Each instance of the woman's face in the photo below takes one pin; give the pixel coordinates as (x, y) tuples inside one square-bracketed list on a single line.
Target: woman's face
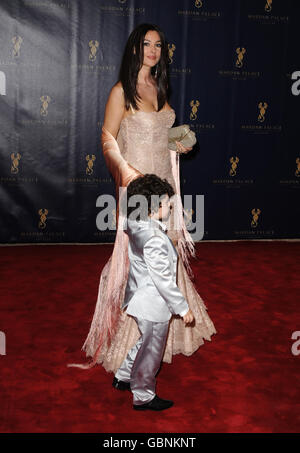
[(152, 48)]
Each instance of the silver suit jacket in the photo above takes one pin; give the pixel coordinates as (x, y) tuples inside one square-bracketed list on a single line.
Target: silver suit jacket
[(151, 292)]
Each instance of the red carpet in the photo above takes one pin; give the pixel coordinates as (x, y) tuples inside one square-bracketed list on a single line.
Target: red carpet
[(245, 380)]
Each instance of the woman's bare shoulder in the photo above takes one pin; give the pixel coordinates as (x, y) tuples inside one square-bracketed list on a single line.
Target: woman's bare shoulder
[(167, 106), (116, 95), (117, 89)]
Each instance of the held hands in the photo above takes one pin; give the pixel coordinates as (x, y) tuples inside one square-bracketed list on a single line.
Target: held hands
[(182, 149), (189, 317)]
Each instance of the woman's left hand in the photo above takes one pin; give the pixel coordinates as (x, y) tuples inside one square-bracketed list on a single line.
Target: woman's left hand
[(182, 149)]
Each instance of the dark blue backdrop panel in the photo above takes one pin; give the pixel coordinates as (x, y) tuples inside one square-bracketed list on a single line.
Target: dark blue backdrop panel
[(231, 66)]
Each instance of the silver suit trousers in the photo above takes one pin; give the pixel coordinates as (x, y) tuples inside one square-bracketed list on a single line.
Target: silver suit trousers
[(143, 360)]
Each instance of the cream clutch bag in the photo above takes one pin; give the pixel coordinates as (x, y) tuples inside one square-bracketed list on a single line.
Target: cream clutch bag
[(182, 134)]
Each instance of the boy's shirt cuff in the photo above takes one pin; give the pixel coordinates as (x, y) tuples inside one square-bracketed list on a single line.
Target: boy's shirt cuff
[(184, 312)]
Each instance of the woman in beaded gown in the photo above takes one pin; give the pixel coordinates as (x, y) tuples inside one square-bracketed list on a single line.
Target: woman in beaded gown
[(135, 142)]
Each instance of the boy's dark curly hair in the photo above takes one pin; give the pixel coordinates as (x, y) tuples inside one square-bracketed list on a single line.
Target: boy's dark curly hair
[(147, 185)]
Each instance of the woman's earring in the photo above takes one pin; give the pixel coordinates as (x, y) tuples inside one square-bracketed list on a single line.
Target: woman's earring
[(156, 72)]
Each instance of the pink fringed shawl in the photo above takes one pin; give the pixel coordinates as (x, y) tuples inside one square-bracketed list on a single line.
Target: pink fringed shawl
[(114, 275)]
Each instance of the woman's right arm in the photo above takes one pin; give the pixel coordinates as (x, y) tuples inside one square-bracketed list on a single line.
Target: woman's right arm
[(120, 169), (114, 110)]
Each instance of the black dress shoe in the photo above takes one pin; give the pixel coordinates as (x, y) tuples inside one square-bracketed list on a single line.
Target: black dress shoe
[(157, 404), (120, 385)]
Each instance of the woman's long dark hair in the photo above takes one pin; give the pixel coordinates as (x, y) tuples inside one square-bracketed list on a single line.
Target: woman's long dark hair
[(132, 63)]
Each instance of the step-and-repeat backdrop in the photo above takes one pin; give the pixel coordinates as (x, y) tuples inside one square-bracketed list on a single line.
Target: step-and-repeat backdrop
[(234, 69)]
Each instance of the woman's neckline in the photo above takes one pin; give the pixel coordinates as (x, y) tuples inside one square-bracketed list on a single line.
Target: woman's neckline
[(147, 113)]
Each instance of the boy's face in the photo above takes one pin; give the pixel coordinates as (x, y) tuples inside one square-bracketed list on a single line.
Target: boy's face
[(164, 210)]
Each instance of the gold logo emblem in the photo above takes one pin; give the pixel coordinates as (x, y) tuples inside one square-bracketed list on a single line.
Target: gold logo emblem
[(194, 105), (262, 111), (17, 41), (268, 6), (93, 45), (240, 52), (113, 220), (234, 161), (255, 214), (198, 3), (171, 49), (43, 217), (15, 158), (45, 104), (297, 172), (90, 163)]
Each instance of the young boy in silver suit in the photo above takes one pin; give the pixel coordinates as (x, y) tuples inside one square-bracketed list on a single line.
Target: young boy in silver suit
[(152, 295)]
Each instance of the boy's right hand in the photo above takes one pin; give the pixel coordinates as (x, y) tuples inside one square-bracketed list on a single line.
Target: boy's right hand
[(188, 317)]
